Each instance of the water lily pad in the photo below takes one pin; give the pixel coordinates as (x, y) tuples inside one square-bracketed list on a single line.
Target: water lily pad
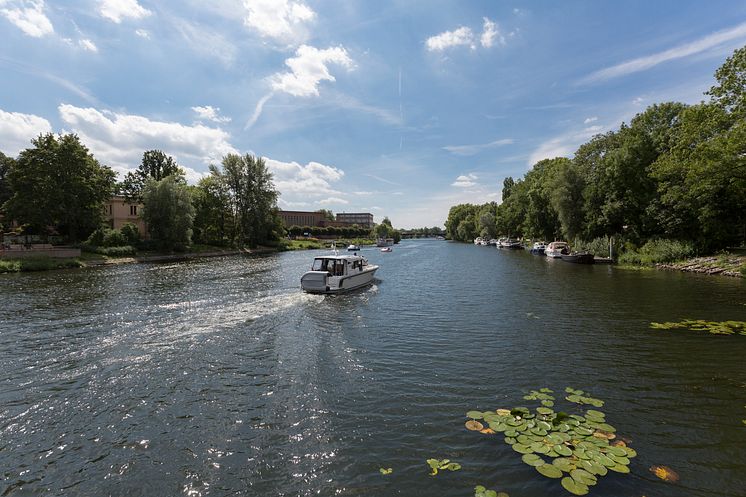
[(619, 468), (630, 451), (665, 473), (499, 426), (532, 460), (386, 471), (453, 466), (573, 486), (606, 461), (547, 403), (617, 451), (544, 410), (540, 448), (549, 470), (565, 464), (583, 476), (562, 450), (521, 448), (543, 425), (619, 459), (590, 413), (511, 433), (510, 440), (474, 425), (539, 431), (474, 414), (605, 427), (503, 412), (487, 431)]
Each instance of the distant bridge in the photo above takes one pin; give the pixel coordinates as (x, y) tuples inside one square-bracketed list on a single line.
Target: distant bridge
[(419, 234)]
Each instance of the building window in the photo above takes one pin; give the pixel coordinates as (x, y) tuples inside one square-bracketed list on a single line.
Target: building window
[(133, 210)]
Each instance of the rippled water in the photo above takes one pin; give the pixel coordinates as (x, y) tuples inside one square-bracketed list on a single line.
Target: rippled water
[(219, 377)]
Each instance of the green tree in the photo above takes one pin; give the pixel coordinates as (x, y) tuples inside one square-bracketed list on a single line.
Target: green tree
[(57, 183), (168, 213), (213, 218), (154, 165), (6, 163), (328, 215), (508, 184), (566, 197), (456, 215), (253, 199)]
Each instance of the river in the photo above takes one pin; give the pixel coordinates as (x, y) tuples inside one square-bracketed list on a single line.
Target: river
[(219, 377)]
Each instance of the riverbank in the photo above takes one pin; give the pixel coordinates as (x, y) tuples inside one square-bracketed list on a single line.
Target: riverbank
[(726, 265)]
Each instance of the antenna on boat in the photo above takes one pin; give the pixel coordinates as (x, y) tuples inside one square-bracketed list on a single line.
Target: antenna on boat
[(334, 248)]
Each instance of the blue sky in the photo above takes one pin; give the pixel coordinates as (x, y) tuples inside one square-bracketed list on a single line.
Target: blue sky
[(399, 108)]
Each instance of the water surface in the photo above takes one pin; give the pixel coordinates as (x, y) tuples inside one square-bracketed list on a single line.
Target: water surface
[(219, 377)]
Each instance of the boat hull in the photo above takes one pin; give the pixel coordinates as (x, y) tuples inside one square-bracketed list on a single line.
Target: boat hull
[(583, 258), (322, 282)]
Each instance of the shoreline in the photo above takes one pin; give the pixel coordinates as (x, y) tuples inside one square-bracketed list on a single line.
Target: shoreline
[(175, 257)]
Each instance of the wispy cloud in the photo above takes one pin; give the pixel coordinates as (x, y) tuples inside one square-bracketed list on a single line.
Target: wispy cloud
[(41, 73), (590, 120), (491, 34), (29, 17), (308, 68), (210, 113), (118, 10), (475, 149), (678, 52)]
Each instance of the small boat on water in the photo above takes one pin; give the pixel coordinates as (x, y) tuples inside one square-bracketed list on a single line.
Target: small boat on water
[(579, 257), (480, 241), (509, 243), (353, 248), (337, 274), (384, 242), (538, 248), (387, 249), (557, 249)]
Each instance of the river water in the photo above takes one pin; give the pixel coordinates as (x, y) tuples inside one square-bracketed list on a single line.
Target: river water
[(220, 377)]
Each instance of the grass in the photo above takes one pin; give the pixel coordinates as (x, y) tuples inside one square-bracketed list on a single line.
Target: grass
[(37, 264)]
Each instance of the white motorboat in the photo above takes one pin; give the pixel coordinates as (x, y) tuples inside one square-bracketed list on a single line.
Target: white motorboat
[(557, 249), (509, 243), (338, 273), (478, 240), (387, 249), (538, 248), (353, 248)]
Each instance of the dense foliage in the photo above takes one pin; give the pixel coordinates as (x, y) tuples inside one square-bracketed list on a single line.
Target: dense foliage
[(675, 172), (154, 165), (168, 213), (57, 185)]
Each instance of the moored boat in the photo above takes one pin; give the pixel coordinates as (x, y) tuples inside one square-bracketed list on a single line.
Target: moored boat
[(557, 249), (538, 248), (338, 273), (578, 257), (384, 242), (353, 248), (509, 243)]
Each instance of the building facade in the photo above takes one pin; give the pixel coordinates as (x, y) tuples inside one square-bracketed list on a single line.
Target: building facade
[(362, 219), (119, 212), (302, 218)]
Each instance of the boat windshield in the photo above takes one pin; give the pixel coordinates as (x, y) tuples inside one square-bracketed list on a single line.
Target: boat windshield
[(319, 265)]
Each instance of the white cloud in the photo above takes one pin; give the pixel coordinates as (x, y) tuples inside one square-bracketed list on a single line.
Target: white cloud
[(465, 181), (684, 50), (308, 68), (312, 179), (590, 120), (117, 10), (282, 20), (638, 101), (210, 113), (475, 149), (206, 42), (142, 33), (17, 130), (490, 33), (563, 145), (333, 201), (460, 37), (119, 140), (29, 17), (88, 45)]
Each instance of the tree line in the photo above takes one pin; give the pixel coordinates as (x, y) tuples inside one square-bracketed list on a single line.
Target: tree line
[(57, 186), (675, 172)]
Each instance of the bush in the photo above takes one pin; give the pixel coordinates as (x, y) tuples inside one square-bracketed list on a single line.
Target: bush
[(97, 237), (131, 234), (114, 238), (36, 264), (122, 251), (598, 246), (658, 251)]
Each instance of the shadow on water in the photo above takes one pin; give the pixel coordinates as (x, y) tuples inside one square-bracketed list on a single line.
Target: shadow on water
[(220, 377)]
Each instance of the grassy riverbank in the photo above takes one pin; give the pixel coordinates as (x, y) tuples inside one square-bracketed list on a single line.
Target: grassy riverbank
[(40, 263)]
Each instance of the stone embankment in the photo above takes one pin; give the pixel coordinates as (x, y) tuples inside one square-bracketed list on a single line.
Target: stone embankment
[(726, 265)]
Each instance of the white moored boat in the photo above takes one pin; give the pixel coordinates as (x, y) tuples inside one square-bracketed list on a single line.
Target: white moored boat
[(337, 273), (557, 249)]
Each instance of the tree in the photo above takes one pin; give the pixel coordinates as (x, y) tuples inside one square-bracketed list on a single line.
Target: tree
[(253, 199), (213, 220), (6, 163), (328, 215), (456, 215), (168, 213), (154, 165), (58, 184), (508, 185), (730, 92)]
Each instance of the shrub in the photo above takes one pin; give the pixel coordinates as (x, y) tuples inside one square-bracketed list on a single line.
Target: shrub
[(114, 238), (36, 264), (97, 237), (658, 251), (131, 234), (121, 251)]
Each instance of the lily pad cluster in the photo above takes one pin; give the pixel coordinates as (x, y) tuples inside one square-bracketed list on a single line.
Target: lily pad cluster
[(714, 327), (481, 491), (442, 464), (576, 449)]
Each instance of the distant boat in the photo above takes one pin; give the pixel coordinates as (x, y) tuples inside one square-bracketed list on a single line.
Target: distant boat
[(440, 237), (337, 273), (353, 248), (557, 249), (579, 258), (384, 242), (478, 241), (387, 249), (509, 243), (538, 248)]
